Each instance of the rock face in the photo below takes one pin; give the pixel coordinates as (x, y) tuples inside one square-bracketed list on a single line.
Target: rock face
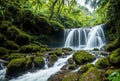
[(91, 75), (82, 57)]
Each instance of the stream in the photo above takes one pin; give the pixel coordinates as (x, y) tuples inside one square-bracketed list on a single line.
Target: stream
[(77, 39)]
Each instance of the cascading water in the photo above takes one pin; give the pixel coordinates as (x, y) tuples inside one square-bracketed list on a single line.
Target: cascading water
[(77, 38), (84, 38)]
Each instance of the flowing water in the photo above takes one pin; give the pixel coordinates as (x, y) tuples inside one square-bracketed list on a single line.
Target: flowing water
[(85, 38), (77, 38)]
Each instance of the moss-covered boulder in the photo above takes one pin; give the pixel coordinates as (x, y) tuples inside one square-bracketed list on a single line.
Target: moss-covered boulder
[(85, 68), (59, 52), (82, 57), (52, 58), (67, 49), (29, 48), (115, 57), (113, 45), (102, 63), (71, 77), (18, 66), (91, 75), (39, 62), (3, 51), (12, 56)]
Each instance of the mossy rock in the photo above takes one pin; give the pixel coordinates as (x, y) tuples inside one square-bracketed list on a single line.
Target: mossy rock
[(4, 51), (95, 49), (67, 49), (39, 62), (29, 48), (71, 77), (85, 68), (52, 58), (82, 57), (11, 45), (18, 66), (102, 63), (115, 57), (12, 56), (59, 52), (20, 37), (43, 49), (91, 75), (72, 66), (110, 71), (113, 45)]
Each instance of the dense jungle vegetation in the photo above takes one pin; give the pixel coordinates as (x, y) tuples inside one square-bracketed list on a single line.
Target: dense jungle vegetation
[(27, 25)]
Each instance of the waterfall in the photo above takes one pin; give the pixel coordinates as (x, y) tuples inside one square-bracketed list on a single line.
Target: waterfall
[(84, 38)]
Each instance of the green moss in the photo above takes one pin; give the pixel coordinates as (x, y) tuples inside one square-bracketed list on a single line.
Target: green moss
[(115, 57), (11, 45), (3, 50), (72, 66), (114, 45), (42, 49), (12, 56), (29, 48), (109, 71), (2, 39), (17, 66), (59, 52), (19, 36), (85, 68), (71, 77), (95, 49), (67, 49), (39, 62), (81, 57), (102, 63), (91, 75)]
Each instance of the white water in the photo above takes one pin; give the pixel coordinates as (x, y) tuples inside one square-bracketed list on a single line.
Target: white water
[(85, 38), (44, 74)]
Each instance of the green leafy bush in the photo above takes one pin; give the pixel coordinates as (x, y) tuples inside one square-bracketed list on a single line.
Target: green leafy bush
[(115, 76)]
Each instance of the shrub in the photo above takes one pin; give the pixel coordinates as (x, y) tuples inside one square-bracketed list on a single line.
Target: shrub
[(115, 76), (81, 57), (29, 48), (102, 63)]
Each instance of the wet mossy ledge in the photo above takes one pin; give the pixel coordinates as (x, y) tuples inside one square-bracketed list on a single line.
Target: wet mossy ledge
[(82, 57)]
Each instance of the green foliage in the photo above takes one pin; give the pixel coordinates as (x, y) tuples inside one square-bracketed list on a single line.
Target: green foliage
[(110, 71), (115, 57), (115, 76), (85, 68), (102, 63), (39, 62), (29, 48), (81, 57), (91, 75)]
